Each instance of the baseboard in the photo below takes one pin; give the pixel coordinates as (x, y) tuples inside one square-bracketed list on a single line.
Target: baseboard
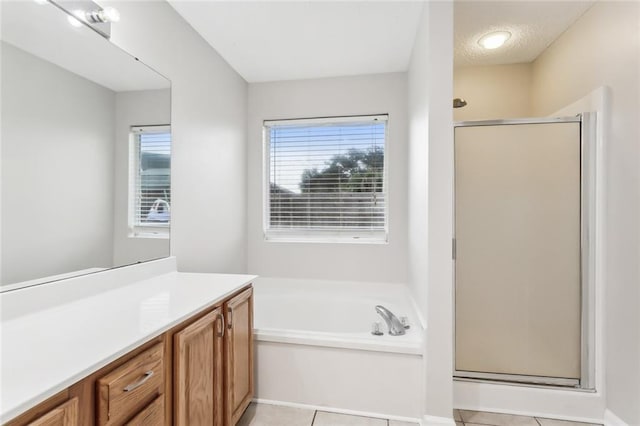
[(343, 411), (437, 421), (610, 419), (561, 404), (528, 413)]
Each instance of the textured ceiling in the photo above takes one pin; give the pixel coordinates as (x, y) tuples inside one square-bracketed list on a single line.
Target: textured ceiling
[(534, 25), (288, 40)]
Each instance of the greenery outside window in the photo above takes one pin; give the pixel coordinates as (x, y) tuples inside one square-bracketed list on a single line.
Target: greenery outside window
[(150, 181), (326, 179)]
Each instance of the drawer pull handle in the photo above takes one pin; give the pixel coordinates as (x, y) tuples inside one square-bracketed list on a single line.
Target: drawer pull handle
[(230, 325), (222, 326), (145, 377)]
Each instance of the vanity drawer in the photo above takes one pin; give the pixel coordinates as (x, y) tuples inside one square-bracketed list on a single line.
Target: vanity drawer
[(151, 415), (126, 390)]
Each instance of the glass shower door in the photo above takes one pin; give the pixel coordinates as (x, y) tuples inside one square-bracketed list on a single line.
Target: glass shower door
[(518, 251)]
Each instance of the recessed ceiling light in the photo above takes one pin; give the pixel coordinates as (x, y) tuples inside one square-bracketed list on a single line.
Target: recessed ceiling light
[(494, 40)]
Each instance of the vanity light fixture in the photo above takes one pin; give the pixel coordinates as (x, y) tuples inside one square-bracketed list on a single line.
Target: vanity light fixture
[(494, 40), (106, 15)]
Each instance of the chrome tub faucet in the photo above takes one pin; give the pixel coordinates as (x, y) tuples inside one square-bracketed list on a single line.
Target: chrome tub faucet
[(396, 328)]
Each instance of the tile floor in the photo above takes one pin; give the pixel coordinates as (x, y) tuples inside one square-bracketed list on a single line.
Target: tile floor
[(273, 415), (480, 418)]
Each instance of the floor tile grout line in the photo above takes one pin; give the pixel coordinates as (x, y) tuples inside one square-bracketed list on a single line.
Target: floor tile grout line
[(461, 422)]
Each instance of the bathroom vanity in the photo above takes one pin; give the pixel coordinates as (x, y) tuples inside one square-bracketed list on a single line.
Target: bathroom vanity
[(169, 348), (140, 344)]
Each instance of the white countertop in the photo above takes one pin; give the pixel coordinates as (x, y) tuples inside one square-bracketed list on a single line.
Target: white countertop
[(47, 350)]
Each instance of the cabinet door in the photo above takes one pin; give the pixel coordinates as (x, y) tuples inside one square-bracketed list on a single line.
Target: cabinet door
[(198, 372), (239, 350), (63, 415)]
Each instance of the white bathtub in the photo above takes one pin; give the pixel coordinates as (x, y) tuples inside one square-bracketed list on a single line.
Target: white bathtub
[(314, 347)]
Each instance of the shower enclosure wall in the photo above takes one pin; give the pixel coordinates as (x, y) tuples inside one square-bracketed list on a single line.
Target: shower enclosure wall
[(521, 250)]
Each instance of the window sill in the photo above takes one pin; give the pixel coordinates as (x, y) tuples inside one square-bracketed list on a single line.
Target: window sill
[(371, 238), (150, 233), (150, 236)]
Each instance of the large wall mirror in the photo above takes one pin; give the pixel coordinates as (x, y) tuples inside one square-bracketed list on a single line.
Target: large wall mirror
[(86, 146)]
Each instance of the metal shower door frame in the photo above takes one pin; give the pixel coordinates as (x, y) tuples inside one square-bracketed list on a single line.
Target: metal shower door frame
[(587, 121)]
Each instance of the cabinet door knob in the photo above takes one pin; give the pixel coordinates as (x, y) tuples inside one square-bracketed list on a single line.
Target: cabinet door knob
[(230, 318), (222, 327), (140, 382)]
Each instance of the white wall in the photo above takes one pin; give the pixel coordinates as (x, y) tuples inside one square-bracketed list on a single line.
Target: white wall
[(135, 108), (493, 92), (56, 210), (431, 199), (368, 94), (208, 118), (603, 49)]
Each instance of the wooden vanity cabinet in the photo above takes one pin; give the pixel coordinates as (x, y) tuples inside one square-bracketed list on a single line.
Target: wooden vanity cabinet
[(199, 373), (239, 355), (100, 399)]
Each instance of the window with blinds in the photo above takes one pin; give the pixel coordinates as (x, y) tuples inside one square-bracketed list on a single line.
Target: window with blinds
[(326, 179), (150, 180)]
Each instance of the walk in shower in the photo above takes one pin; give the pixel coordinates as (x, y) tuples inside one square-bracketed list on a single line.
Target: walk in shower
[(522, 251)]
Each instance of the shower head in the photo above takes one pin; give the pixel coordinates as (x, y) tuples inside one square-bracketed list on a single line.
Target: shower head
[(459, 103)]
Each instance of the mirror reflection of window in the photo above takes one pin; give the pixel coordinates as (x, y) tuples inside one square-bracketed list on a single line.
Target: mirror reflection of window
[(66, 129), (150, 181)]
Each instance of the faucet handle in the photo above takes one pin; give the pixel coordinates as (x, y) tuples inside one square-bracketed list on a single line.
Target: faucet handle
[(375, 329), (405, 322)]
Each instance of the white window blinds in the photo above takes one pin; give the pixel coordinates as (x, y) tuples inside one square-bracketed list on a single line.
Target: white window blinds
[(327, 178), (151, 164)]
